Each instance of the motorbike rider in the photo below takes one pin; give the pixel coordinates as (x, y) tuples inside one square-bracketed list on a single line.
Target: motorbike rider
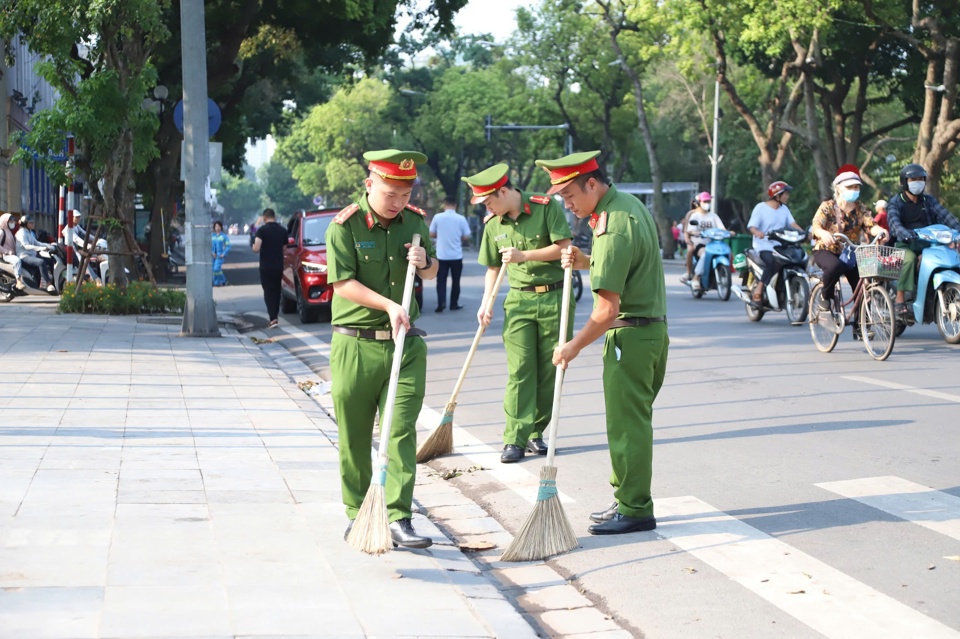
[(699, 219), (29, 247), (80, 241), (770, 215), (842, 214), (8, 246), (701, 206), (912, 209)]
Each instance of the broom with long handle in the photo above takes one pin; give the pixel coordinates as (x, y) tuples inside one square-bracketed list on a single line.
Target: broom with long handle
[(371, 528), (547, 531), (440, 441)]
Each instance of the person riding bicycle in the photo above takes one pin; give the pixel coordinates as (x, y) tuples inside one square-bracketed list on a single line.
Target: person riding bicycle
[(691, 235), (699, 219), (908, 210), (844, 213), (771, 215)]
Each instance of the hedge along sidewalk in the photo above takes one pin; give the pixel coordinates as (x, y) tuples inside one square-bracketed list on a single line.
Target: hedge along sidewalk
[(152, 485), (137, 298)]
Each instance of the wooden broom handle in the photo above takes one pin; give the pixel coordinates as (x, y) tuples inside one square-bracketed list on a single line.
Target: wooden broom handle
[(476, 338), (558, 382), (387, 418)]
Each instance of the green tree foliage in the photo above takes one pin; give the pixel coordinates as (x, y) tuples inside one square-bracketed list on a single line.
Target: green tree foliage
[(281, 189), (97, 56), (241, 199)]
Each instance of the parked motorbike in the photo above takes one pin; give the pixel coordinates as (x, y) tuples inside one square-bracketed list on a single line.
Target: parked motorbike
[(938, 283), (789, 288), (716, 269), (31, 277)]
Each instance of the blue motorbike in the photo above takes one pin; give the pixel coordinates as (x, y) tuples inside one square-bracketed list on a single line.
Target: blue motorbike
[(938, 282), (716, 269)]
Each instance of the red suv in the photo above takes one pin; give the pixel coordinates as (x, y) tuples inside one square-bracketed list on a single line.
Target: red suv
[(305, 289)]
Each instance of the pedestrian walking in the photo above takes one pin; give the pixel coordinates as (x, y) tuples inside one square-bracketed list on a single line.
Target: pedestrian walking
[(269, 242), (630, 308), (219, 247), (451, 230), (524, 233), (368, 248)]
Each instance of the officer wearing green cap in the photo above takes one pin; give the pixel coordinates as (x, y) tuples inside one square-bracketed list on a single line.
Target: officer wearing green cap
[(368, 247), (630, 308), (525, 233)]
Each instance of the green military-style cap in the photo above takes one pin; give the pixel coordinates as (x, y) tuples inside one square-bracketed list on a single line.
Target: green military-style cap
[(486, 182), (392, 164), (568, 167)]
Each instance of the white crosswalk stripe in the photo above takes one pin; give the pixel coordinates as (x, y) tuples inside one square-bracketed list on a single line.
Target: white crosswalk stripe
[(904, 387), (829, 601), (933, 509)]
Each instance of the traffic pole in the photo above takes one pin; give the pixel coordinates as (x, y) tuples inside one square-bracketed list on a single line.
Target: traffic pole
[(199, 313), (70, 203)]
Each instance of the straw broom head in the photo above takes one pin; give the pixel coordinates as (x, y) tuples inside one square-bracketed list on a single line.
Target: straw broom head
[(440, 441), (371, 529), (547, 531)]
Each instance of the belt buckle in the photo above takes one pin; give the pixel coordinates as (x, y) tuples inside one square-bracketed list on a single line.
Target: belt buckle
[(543, 288), (382, 336)]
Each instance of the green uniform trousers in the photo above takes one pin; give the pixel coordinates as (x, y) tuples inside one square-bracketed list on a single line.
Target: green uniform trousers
[(360, 369), (531, 330), (634, 365), (908, 272)]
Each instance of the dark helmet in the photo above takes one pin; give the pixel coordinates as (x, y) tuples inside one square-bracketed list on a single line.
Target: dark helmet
[(911, 171)]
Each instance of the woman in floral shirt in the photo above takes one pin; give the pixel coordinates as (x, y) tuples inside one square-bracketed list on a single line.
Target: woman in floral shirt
[(842, 214)]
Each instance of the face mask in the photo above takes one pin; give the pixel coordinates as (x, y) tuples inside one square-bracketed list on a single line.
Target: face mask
[(12, 225), (705, 206), (916, 188), (851, 196)]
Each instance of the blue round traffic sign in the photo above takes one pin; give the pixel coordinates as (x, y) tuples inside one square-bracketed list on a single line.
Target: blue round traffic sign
[(214, 117)]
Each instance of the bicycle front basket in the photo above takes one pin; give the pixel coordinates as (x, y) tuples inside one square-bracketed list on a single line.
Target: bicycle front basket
[(881, 262)]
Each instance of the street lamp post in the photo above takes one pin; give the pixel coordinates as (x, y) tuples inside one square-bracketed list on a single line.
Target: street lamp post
[(714, 158)]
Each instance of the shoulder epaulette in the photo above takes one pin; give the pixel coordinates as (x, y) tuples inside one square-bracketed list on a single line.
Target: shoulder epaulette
[(417, 210), (488, 218), (540, 199), (345, 214), (598, 223)]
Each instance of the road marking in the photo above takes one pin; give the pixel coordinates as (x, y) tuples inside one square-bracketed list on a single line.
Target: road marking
[(910, 389), (933, 509), (829, 601), (514, 476)]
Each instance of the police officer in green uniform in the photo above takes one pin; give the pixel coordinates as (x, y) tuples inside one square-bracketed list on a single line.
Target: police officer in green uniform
[(630, 308), (368, 247), (525, 233)]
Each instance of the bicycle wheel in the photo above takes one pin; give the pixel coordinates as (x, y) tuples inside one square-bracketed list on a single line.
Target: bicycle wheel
[(823, 326), (877, 322)]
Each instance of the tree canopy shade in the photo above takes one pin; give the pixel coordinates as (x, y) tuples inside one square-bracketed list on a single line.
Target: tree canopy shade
[(265, 57), (97, 56)]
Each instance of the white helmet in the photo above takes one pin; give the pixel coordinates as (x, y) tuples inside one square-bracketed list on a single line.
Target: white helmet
[(880, 204)]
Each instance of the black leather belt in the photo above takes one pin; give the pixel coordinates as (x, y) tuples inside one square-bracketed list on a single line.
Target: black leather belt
[(543, 288), (380, 336), (637, 321)]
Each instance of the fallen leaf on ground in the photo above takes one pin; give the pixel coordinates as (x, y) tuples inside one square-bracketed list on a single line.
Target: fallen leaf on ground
[(456, 472), (953, 557), (797, 592), (931, 567), (475, 546), (257, 340), (690, 570)]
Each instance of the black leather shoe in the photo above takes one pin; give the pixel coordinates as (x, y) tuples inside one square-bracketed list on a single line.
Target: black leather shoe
[(455, 307), (440, 309), (537, 446), (403, 534), (511, 454), (620, 524), (604, 515), (346, 533)]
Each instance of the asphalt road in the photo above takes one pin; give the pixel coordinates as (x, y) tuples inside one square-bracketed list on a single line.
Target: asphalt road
[(798, 494)]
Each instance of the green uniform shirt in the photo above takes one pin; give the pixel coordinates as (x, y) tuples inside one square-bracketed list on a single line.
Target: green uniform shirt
[(537, 226), (626, 256), (363, 250)]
